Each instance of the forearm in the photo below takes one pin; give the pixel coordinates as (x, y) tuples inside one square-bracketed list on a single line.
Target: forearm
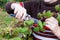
[(52, 24)]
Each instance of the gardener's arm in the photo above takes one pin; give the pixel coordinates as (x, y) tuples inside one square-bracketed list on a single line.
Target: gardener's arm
[(16, 8), (52, 23), (20, 8), (57, 32)]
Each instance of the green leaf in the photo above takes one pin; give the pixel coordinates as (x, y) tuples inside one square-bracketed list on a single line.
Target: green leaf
[(17, 30), (48, 14), (40, 24), (39, 15), (1, 38), (57, 7), (17, 38), (58, 18), (44, 23), (8, 36), (29, 22), (24, 29), (36, 29)]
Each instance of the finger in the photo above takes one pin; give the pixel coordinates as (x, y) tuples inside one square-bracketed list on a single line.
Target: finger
[(20, 13), (54, 19), (50, 25), (24, 15), (15, 11), (16, 16), (49, 20)]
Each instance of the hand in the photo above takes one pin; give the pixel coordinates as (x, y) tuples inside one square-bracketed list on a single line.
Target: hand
[(52, 23), (19, 11)]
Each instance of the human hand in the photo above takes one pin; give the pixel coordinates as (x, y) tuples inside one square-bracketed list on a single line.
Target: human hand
[(51, 23), (19, 11)]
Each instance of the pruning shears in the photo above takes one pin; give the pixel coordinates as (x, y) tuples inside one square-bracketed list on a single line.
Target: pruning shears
[(28, 17)]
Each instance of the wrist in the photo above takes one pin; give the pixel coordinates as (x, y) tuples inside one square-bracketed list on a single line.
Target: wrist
[(56, 31), (22, 4)]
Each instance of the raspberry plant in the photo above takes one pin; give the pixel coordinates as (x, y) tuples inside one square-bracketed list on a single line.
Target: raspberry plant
[(23, 31)]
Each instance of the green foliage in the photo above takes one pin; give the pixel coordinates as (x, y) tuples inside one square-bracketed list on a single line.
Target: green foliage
[(57, 7), (5, 19), (58, 18), (20, 30), (36, 29), (2, 3), (44, 23), (16, 38), (29, 22), (9, 31), (47, 14), (40, 25), (3, 0), (11, 0), (39, 15), (12, 33)]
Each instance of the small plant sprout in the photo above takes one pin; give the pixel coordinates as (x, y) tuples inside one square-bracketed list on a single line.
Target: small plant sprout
[(57, 7)]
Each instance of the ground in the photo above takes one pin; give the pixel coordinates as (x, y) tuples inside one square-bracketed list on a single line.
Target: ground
[(5, 20)]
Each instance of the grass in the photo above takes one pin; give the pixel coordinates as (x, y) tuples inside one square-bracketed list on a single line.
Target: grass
[(6, 19)]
